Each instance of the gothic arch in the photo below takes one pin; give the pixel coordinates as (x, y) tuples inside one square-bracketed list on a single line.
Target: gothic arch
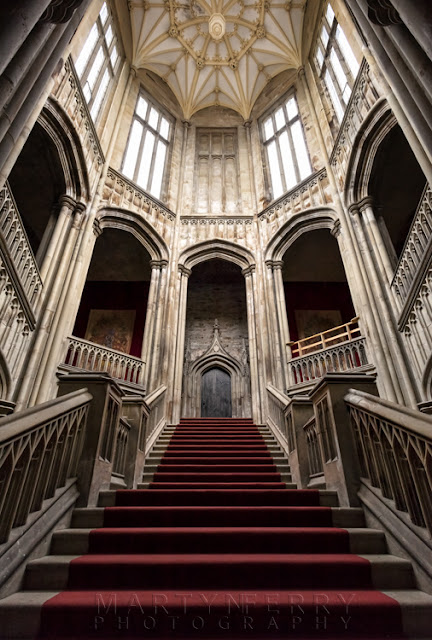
[(323, 218), (137, 226), (215, 356), (57, 125), (216, 249), (367, 141)]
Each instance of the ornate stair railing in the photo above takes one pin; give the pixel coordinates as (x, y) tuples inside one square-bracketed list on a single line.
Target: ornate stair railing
[(40, 449), (394, 446), (416, 248), (313, 449), (335, 350), (88, 356)]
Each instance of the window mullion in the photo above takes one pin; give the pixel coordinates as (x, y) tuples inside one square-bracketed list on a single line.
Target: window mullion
[(140, 151), (152, 161), (293, 149)]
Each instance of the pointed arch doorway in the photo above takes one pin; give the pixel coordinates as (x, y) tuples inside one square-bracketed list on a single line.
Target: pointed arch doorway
[(216, 394)]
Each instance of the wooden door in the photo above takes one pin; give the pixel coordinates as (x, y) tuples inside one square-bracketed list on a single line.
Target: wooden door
[(216, 394)]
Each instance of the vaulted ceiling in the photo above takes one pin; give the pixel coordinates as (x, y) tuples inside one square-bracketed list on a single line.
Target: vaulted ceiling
[(216, 52)]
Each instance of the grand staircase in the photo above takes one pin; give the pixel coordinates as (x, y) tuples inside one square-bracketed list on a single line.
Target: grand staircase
[(217, 542)]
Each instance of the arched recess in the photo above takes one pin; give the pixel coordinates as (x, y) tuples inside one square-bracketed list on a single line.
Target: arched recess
[(216, 300), (215, 357), (122, 294), (310, 294), (135, 225), (213, 250), (385, 176), (322, 218), (50, 166)]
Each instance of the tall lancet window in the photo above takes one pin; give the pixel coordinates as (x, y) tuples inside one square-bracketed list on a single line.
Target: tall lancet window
[(285, 146), (146, 156), (99, 61), (335, 62)]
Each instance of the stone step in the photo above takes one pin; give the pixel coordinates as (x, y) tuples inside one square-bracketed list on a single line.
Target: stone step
[(76, 541), (342, 517), (51, 573)]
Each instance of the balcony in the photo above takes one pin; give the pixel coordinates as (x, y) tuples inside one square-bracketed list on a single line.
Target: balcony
[(83, 355), (336, 350)]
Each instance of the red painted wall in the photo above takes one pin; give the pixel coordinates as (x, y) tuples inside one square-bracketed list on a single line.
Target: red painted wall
[(115, 295), (319, 296)]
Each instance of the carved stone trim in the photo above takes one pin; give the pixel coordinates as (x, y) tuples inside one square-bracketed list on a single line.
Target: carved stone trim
[(59, 11), (383, 13)]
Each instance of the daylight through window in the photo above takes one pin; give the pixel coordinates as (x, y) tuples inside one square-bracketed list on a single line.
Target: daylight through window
[(335, 62), (287, 154), (147, 149), (98, 61)]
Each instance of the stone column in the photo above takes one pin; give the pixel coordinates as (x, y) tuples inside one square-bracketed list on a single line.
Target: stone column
[(253, 347), (180, 343), (58, 237), (151, 311), (282, 319), (418, 18), (376, 242), (17, 20), (157, 349), (396, 379)]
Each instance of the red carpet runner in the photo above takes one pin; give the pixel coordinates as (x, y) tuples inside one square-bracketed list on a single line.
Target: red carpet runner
[(218, 547)]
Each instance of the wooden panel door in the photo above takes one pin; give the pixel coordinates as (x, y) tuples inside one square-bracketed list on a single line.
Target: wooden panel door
[(216, 394)]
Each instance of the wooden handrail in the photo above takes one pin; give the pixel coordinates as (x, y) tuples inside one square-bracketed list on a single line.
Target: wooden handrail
[(321, 341)]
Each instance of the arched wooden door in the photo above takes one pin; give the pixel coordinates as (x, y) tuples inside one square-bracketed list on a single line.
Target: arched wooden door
[(216, 394)]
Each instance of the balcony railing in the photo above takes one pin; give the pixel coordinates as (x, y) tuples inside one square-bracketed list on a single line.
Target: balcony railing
[(332, 351), (395, 449), (89, 356), (415, 248), (18, 246)]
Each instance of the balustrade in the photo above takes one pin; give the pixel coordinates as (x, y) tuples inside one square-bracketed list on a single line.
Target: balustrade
[(18, 246), (89, 356), (122, 440), (313, 449), (416, 247), (335, 350), (39, 451), (394, 447)]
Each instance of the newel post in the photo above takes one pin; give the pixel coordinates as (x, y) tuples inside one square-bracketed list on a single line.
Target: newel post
[(336, 439), (136, 411), (99, 439), (297, 414)]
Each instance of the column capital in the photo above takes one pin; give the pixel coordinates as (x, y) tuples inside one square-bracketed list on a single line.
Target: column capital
[(247, 124), (336, 228), (184, 270), (97, 229), (186, 124), (366, 202), (301, 72), (354, 209), (248, 271), (67, 201), (158, 264)]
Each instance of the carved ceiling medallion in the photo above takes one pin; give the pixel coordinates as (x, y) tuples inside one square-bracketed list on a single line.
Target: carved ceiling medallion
[(235, 46)]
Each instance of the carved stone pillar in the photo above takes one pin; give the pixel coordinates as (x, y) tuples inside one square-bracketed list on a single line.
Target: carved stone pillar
[(49, 264), (253, 346), (156, 351), (281, 336), (184, 274), (153, 303), (375, 239)]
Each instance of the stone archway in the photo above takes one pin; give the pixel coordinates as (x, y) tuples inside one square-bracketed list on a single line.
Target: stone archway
[(216, 357)]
